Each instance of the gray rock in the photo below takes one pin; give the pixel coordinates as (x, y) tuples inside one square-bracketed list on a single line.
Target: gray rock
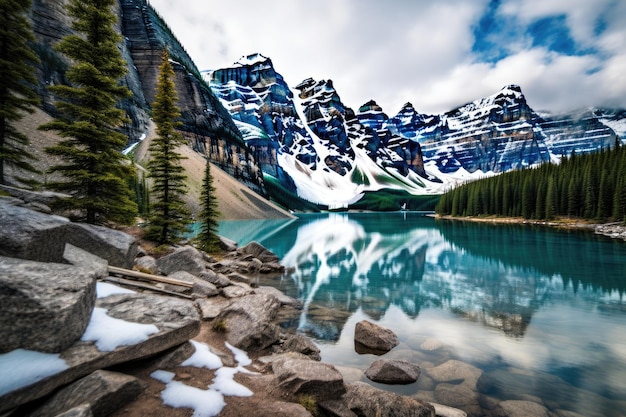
[(367, 401), (219, 280), (236, 290), (83, 410), (208, 309), (147, 264), (374, 337), (227, 244), (104, 391), (284, 299), (336, 408), (249, 321), (258, 251), (117, 247), (388, 371), (28, 234), (301, 344), (187, 259), (177, 321), (515, 408), (454, 370), (445, 411), (173, 357), (457, 395), (235, 277), (44, 307), (308, 377), (200, 289), (78, 257)]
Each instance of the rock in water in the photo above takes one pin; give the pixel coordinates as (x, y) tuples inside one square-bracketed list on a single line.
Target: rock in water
[(388, 371), (308, 377), (43, 306), (367, 401), (373, 337)]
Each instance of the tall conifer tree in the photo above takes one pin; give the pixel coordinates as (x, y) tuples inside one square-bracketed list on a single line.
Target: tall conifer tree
[(17, 80), (169, 217), (208, 237), (94, 171)]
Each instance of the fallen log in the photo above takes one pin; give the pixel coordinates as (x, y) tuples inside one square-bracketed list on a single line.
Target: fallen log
[(148, 277), (145, 286)]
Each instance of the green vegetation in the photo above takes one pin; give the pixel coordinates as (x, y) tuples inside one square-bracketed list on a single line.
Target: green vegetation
[(588, 186), (208, 238), (95, 172), (286, 198), (219, 326), (169, 218), (309, 403), (392, 200), (17, 81)]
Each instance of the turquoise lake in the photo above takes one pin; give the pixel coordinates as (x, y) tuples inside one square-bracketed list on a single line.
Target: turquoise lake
[(535, 314)]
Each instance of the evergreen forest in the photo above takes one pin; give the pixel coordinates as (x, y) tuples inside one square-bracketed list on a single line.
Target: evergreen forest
[(586, 186)]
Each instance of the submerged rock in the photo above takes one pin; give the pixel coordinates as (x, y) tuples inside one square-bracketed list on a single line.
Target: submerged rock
[(388, 371)]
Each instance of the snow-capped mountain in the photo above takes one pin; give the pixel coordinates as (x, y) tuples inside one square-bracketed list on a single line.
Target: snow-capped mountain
[(316, 146)]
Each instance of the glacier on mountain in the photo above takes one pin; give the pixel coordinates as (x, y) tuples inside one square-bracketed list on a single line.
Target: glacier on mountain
[(325, 152)]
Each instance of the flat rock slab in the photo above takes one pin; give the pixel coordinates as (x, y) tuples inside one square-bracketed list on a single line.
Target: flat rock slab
[(367, 401), (176, 320), (308, 377), (388, 371), (104, 391), (43, 306)]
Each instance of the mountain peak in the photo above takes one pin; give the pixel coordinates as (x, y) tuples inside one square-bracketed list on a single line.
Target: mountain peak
[(253, 59)]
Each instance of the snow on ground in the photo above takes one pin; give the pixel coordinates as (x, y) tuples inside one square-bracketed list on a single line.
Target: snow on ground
[(104, 289), (108, 333), (20, 368), (209, 402)]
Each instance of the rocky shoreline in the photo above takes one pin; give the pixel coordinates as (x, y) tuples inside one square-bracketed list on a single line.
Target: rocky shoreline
[(612, 230), (134, 343)]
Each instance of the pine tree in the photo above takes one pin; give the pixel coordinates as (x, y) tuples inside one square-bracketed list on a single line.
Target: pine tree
[(17, 80), (169, 217), (94, 172), (208, 238)]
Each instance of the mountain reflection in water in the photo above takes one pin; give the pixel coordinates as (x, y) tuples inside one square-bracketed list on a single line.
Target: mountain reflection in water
[(516, 301)]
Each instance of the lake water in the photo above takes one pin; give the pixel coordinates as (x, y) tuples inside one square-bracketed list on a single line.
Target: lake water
[(511, 312)]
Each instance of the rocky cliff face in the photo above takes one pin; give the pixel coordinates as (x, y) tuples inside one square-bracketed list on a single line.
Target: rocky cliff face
[(206, 124)]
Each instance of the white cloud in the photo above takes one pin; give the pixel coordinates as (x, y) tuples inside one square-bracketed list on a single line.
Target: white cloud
[(418, 51)]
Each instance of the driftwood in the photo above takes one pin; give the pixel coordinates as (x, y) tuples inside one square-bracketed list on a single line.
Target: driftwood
[(148, 277), (145, 286)]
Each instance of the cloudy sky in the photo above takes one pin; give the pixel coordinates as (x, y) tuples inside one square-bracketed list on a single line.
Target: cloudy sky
[(439, 54)]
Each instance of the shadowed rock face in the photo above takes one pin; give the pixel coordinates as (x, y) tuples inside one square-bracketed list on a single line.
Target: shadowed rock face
[(206, 124)]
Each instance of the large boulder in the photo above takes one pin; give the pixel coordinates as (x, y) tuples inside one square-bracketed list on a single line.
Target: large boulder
[(259, 252), (249, 321), (187, 259), (301, 344), (104, 392), (388, 371), (374, 338), (367, 401), (117, 247), (28, 234), (176, 322), (43, 306), (308, 377)]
